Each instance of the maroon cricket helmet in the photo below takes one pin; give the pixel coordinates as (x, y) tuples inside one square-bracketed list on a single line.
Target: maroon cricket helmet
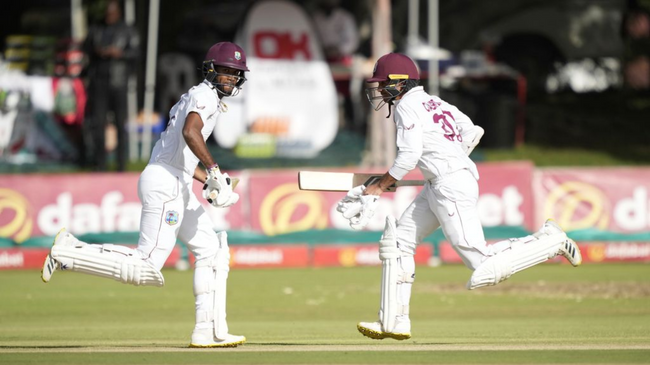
[(395, 65), (227, 54)]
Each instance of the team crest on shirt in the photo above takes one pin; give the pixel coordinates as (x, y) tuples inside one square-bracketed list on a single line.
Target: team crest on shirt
[(171, 217), (237, 55)]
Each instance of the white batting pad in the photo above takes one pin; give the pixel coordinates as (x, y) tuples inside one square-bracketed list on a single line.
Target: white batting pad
[(210, 282), (109, 261), (388, 304), (524, 253), (392, 278)]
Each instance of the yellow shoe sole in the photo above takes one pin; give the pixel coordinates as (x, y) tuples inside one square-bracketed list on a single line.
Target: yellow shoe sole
[(231, 344), (375, 335)]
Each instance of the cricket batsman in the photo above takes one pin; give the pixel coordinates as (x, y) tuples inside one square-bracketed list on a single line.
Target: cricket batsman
[(438, 138), (171, 211)]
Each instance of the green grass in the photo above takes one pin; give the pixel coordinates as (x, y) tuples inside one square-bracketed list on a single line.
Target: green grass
[(544, 156), (540, 156), (553, 314)]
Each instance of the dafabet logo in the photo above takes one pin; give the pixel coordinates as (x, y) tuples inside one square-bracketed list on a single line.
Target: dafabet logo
[(15, 220), (286, 209), (577, 205)]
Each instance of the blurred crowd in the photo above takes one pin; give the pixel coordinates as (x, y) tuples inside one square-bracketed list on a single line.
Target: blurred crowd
[(83, 119), (67, 99), (636, 33)]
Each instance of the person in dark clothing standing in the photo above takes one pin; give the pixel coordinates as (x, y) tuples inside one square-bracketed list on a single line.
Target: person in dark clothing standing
[(112, 49)]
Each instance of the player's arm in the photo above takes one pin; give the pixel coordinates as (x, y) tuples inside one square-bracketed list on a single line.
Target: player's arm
[(471, 134), (409, 150), (471, 139), (379, 187), (200, 174), (194, 139)]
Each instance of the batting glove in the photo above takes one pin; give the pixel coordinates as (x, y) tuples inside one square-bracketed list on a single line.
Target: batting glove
[(369, 205), (217, 189), (351, 204)]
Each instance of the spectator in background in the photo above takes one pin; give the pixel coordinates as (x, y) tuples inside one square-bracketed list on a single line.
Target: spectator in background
[(339, 36), (112, 49), (337, 30), (636, 32)]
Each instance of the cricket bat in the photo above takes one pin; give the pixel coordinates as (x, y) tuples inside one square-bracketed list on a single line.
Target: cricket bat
[(344, 181)]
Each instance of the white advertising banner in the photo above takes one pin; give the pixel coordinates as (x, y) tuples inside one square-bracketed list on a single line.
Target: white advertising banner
[(289, 103)]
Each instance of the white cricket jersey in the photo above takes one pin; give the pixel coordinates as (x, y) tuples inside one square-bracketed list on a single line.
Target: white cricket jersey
[(429, 136), (171, 149)]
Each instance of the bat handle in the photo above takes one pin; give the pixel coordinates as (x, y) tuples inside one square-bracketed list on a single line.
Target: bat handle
[(371, 181)]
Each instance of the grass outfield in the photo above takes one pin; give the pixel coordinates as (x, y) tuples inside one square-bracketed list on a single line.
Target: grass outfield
[(553, 314)]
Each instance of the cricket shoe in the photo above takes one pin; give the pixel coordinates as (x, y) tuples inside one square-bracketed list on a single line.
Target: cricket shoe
[(375, 330), (569, 249), (204, 338), (571, 252), (51, 265)]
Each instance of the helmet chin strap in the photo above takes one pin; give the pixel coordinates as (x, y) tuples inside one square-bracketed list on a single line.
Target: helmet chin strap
[(395, 92), (390, 104), (405, 86)]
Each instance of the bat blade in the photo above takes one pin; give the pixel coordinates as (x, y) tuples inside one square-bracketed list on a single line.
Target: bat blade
[(344, 181)]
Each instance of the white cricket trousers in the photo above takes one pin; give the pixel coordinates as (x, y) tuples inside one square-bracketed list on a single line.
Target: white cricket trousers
[(170, 210), (449, 203)]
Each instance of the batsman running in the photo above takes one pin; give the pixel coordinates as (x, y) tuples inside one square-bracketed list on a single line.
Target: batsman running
[(170, 210), (438, 138)]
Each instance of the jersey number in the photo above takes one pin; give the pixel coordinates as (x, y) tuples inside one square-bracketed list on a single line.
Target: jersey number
[(450, 132)]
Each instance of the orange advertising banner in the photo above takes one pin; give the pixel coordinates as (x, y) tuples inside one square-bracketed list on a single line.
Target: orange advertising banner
[(615, 251), (360, 255), (277, 206), (604, 199), (38, 205), (269, 256)]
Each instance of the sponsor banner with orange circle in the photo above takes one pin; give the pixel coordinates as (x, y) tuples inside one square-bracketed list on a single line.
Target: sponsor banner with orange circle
[(33, 258), (37, 205), (40, 205), (277, 206), (605, 199), (360, 255)]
